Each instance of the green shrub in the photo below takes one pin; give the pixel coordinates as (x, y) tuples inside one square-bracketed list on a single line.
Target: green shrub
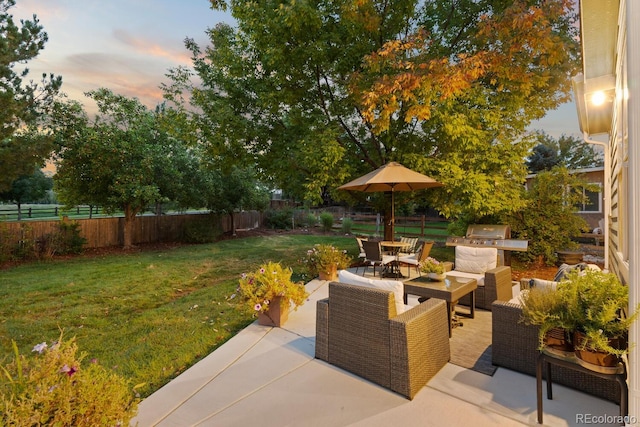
[(280, 219), (326, 219), (202, 230), (70, 242), (52, 387), (549, 220), (347, 225), (65, 240), (311, 220)]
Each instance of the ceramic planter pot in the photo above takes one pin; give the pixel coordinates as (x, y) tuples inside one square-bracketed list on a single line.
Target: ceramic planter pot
[(594, 357), (331, 273), (557, 340), (277, 314), (438, 277)]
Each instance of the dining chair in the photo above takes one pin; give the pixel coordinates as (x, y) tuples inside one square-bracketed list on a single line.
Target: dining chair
[(417, 258), (374, 256), (360, 248)]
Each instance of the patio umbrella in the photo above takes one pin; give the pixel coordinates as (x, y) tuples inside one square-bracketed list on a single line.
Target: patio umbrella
[(391, 177)]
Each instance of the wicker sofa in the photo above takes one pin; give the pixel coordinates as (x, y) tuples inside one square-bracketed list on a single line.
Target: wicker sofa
[(515, 346), (357, 329)]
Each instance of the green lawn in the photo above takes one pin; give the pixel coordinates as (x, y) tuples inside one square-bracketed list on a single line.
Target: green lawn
[(148, 315), (433, 231)]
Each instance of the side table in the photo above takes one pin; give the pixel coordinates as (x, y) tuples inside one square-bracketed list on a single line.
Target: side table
[(548, 357)]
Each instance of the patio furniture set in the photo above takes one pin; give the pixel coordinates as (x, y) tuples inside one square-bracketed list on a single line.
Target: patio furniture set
[(366, 328), (391, 255)]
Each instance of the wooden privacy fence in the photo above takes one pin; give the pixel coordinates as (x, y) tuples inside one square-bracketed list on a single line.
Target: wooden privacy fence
[(103, 232)]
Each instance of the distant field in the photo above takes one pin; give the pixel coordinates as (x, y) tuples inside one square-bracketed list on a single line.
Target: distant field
[(432, 230), (46, 211)]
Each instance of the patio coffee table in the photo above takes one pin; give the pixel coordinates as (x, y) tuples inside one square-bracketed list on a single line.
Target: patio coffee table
[(451, 289)]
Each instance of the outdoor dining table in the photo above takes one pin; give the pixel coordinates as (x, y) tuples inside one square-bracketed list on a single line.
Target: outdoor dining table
[(395, 248)]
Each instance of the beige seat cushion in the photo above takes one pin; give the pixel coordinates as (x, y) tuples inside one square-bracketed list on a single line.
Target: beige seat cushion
[(475, 260), (394, 286), (479, 277)]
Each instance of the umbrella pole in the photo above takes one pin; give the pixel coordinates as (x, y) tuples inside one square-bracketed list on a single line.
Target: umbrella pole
[(393, 216)]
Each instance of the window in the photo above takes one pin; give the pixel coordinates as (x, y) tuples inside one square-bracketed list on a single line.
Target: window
[(593, 201)]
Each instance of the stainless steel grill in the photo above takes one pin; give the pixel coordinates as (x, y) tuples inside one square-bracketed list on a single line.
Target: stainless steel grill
[(491, 236)]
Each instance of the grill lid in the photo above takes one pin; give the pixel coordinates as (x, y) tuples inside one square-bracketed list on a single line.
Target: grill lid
[(488, 231)]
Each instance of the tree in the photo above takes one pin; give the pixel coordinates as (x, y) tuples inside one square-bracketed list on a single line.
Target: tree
[(542, 158), (27, 188), (234, 191), (567, 151), (319, 92), (122, 161), (22, 103), (549, 220)]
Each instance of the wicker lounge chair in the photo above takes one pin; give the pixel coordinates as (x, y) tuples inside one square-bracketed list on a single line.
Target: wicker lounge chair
[(515, 346), (357, 330)]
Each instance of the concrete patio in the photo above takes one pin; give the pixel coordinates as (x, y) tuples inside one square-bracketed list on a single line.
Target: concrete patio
[(269, 376)]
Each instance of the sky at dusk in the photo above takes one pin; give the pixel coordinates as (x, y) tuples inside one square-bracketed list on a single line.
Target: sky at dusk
[(124, 45), (129, 45)]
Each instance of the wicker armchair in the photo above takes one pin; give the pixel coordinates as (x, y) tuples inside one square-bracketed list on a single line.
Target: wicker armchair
[(357, 330), (497, 287), (515, 346)]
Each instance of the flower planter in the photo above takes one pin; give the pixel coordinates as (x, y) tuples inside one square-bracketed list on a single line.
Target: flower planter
[(437, 277), (277, 314), (594, 357), (329, 273), (557, 341)]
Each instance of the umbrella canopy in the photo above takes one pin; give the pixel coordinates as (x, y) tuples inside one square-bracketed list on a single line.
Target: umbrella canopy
[(391, 177)]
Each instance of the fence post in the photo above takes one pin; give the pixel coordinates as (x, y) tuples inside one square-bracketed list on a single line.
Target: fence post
[(422, 225), (29, 212)]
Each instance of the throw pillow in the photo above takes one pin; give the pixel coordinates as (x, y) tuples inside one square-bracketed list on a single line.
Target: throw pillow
[(475, 260), (394, 286), (565, 269), (539, 283)]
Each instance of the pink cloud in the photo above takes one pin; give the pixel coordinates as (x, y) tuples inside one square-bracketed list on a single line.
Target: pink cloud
[(144, 46)]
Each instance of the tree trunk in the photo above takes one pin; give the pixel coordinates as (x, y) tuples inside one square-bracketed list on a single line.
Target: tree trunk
[(129, 219)]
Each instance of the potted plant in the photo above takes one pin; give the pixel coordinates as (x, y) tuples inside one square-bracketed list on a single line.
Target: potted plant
[(56, 386), (325, 261), (269, 292), (597, 303), (435, 269), (544, 307)]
